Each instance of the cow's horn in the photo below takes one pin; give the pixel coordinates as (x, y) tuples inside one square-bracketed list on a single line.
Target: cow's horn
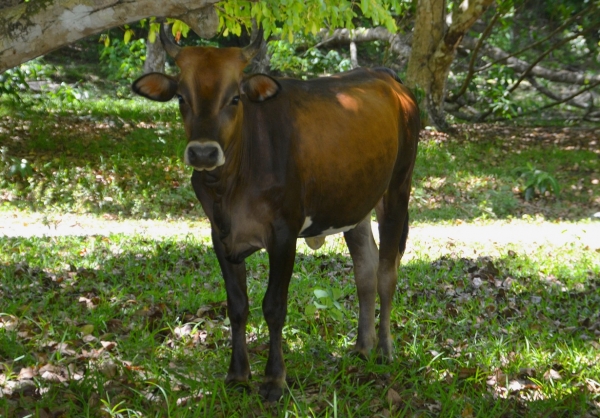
[(251, 50), (170, 46)]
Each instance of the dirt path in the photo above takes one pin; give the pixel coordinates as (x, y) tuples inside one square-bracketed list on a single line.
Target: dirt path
[(497, 233)]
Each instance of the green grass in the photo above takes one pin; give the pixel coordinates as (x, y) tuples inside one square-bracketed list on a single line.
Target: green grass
[(132, 326), (123, 157), (511, 335)]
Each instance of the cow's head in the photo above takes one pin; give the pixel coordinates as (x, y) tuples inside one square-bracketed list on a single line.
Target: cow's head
[(208, 88)]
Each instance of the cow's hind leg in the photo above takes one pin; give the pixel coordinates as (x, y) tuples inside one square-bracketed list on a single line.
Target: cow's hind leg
[(393, 232), (364, 257)]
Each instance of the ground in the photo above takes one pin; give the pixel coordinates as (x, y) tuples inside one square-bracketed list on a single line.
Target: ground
[(489, 234)]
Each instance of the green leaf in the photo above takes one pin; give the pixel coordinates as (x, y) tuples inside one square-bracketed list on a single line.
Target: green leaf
[(319, 293), (127, 36), (337, 315)]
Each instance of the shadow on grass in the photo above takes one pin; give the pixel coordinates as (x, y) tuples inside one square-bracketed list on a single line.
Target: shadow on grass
[(139, 326)]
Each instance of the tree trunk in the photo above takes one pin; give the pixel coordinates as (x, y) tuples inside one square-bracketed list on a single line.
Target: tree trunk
[(28, 30), (155, 57), (434, 48)]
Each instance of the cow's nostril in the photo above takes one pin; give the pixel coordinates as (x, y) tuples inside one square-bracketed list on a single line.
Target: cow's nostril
[(203, 156)]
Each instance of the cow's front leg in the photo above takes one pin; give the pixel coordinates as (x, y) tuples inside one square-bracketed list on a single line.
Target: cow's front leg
[(237, 311), (281, 265)]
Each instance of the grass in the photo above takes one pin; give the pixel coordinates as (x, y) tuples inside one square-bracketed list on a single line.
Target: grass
[(123, 158), (123, 323)]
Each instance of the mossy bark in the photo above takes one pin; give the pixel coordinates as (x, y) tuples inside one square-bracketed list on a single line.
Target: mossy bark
[(435, 41)]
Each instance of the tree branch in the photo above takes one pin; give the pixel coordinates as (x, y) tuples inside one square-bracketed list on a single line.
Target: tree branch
[(480, 117), (545, 53), (28, 30), (550, 94), (474, 53), (561, 76), (533, 45)]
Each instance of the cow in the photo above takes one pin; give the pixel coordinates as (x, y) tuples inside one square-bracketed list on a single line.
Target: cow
[(277, 159)]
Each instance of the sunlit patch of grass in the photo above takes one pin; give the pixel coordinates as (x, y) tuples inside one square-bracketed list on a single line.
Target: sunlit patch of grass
[(139, 324), (473, 177)]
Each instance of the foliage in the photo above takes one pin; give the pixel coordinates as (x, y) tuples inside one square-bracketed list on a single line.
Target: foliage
[(311, 63), (327, 304), (495, 91), (293, 16), (536, 181), (123, 58), (15, 80), (557, 36)]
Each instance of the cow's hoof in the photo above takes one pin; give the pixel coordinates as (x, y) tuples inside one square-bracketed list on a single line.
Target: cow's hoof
[(358, 354), (384, 358), (241, 387), (238, 384), (271, 391)]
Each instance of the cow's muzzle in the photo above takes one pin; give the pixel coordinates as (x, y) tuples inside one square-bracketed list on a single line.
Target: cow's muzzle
[(206, 155)]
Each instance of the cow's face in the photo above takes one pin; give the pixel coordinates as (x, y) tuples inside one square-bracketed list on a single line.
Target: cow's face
[(208, 88)]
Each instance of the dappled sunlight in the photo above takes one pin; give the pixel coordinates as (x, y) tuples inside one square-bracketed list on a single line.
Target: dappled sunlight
[(493, 325)]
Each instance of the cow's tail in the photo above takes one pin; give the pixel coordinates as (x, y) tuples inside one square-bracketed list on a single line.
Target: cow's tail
[(404, 236), (390, 72)]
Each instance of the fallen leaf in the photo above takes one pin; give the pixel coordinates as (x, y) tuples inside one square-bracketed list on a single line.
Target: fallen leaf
[(552, 375), (393, 397), (53, 377), (87, 329), (108, 345), (26, 373), (467, 412)]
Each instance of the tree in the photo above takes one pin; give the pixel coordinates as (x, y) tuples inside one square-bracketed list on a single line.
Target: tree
[(435, 41), (516, 49), (155, 56), (29, 29), (470, 59)]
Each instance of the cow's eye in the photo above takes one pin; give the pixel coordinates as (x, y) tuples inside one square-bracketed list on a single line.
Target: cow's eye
[(235, 100), (180, 98)]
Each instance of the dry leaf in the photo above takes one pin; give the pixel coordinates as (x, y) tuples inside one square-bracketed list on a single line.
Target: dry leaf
[(108, 345), (467, 412), (552, 375), (26, 373), (393, 398)]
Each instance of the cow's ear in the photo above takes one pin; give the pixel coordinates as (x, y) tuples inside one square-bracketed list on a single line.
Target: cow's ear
[(260, 87), (155, 86)]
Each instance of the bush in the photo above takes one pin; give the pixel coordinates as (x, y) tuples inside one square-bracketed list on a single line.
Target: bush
[(123, 61)]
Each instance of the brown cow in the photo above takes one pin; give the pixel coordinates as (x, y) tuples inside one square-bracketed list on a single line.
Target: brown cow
[(275, 159)]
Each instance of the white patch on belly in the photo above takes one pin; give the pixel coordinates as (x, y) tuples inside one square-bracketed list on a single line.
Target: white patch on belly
[(329, 231)]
